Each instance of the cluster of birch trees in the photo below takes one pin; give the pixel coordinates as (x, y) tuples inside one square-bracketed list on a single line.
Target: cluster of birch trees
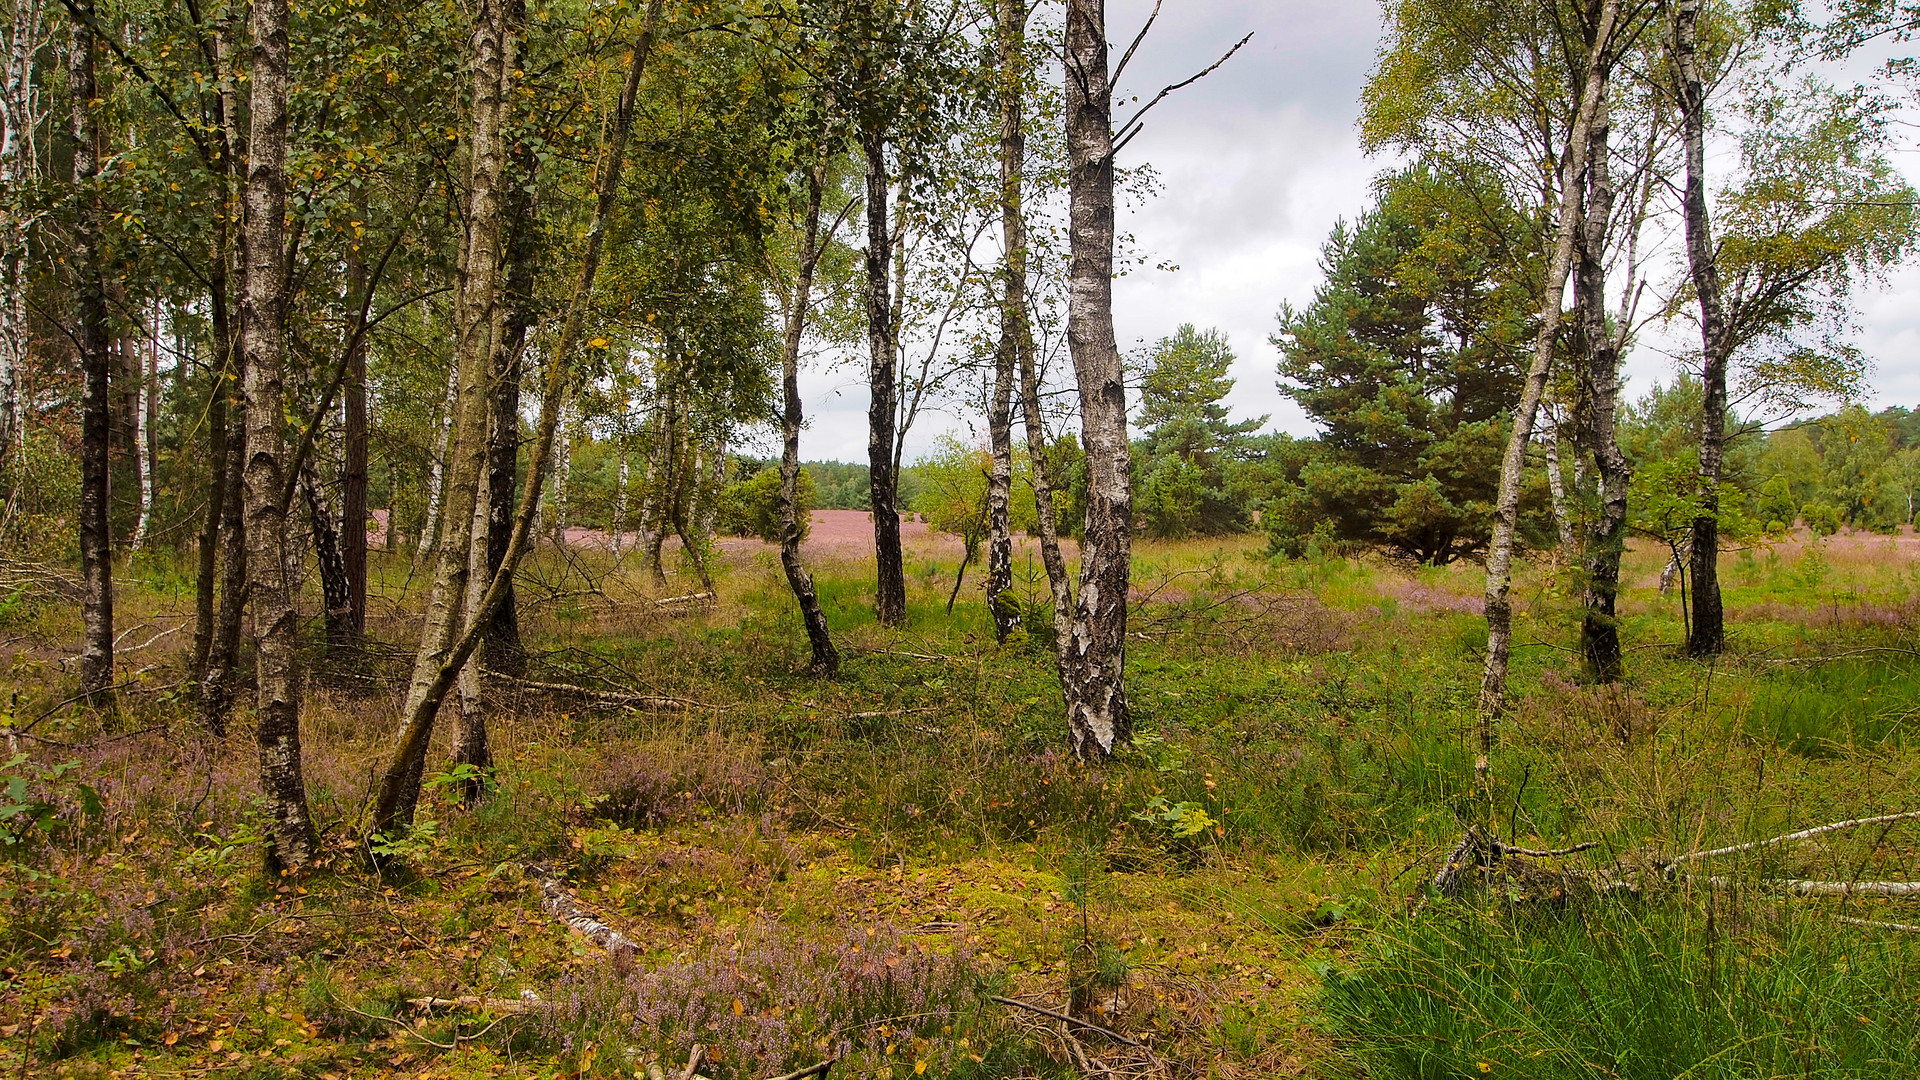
[(409, 249), (323, 253), (1601, 121)]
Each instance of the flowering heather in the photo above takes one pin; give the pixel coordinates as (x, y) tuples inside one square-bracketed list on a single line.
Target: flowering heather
[(773, 1001), (675, 782)]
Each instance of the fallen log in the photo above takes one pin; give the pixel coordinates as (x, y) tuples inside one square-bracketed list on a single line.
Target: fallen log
[(1788, 838), (623, 698), (559, 903), (526, 1002)]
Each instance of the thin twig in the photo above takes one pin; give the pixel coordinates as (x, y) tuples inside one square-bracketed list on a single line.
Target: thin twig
[(1030, 1007), (411, 1030), (1133, 126), (1876, 924)]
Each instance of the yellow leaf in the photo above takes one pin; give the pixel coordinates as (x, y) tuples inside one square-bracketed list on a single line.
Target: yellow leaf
[(919, 1067), (739, 1007), (598, 343), (1484, 1067)]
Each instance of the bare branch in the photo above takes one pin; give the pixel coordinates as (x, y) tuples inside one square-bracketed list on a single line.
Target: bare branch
[(1132, 127), (1137, 39)]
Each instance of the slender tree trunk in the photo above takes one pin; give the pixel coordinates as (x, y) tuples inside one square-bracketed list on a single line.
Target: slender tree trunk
[(1094, 658), (826, 659), (890, 595), (334, 587), (207, 568), (437, 471), (471, 745), (478, 307), (1708, 636), (263, 332), (1563, 520), (1599, 381), (504, 652), (353, 473), (1506, 512), (1010, 17), (19, 116), (621, 477), (91, 337), (143, 369), (223, 655), (398, 796)]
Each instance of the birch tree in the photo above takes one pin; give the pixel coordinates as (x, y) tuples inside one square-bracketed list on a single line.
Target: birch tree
[(91, 340), (263, 336)]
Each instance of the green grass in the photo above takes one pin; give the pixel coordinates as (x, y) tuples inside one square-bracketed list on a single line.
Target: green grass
[(1685, 986)]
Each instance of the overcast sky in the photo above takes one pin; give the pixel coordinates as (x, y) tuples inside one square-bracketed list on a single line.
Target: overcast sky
[(1257, 161)]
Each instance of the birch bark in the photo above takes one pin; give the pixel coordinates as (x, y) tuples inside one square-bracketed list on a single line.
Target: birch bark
[(1708, 635), (890, 595), (397, 798), (825, 661), (478, 315), (263, 334), (1010, 24), (1506, 514), (90, 329), (1093, 658)]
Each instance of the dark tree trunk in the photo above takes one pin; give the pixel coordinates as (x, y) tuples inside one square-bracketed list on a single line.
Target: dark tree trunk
[(223, 653), (890, 596), (1708, 637), (91, 336), (826, 659), (1010, 17), (335, 591), (503, 651), (1599, 391), (207, 569), (275, 622), (1093, 660), (353, 472)]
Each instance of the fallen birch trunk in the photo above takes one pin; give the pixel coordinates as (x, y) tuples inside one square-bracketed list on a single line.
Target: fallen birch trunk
[(526, 1002), (622, 698), (559, 903), (1788, 838)]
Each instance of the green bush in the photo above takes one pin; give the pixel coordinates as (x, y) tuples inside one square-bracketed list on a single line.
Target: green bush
[(751, 507)]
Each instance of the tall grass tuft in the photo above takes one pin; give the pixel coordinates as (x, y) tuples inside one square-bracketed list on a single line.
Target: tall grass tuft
[(1684, 986)]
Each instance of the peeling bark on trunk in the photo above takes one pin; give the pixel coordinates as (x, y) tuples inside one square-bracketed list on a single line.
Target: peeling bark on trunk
[(1708, 636), (1563, 521), (1599, 382), (1506, 514), (825, 661), (19, 116), (397, 798), (144, 365), (263, 333), (478, 319), (1010, 18), (890, 594), (90, 330), (1093, 659)]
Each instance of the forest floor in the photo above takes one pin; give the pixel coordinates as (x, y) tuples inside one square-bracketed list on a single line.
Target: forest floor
[(859, 869)]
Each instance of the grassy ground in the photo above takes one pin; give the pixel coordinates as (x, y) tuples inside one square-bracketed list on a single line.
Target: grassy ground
[(852, 869)]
